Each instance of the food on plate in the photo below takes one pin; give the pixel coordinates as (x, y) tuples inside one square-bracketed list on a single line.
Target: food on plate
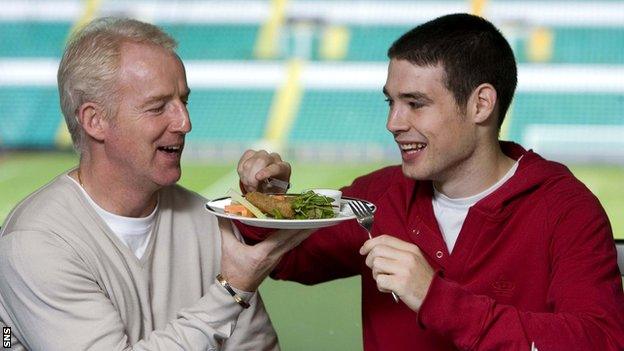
[(277, 207), (238, 199), (238, 209), (308, 205)]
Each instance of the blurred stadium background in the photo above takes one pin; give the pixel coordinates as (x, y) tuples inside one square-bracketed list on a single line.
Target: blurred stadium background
[(304, 77)]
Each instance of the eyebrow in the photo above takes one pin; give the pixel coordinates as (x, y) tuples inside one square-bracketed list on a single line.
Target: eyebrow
[(152, 99), (411, 95)]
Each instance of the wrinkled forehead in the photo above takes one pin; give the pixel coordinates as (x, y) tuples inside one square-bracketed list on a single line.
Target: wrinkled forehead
[(145, 67), (147, 59)]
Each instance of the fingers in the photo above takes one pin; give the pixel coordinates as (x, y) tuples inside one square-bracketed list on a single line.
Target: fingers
[(383, 265), (385, 284), (383, 251), (250, 163), (282, 241), (246, 156), (385, 273), (229, 241), (400, 267), (255, 166), (390, 241)]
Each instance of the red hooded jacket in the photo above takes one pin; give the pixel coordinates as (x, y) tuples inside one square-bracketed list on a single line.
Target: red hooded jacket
[(535, 261)]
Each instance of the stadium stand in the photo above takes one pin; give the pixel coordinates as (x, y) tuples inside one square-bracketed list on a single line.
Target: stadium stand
[(305, 76)]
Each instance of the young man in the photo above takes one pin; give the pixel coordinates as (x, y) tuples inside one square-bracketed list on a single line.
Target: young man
[(114, 255), (488, 246)]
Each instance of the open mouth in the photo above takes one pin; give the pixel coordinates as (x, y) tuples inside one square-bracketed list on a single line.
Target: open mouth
[(171, 149), (412, 147)]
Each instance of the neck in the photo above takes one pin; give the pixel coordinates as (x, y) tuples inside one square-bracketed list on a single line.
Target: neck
[(114, 192), (475, 174)]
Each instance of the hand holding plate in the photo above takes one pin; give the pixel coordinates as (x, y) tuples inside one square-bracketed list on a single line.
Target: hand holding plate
[(245, 266)]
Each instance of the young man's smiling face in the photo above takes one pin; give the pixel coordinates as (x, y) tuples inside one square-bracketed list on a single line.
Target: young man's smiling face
[(435, 138)]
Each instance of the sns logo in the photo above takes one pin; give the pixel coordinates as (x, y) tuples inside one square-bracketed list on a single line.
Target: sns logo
[(6, 337)]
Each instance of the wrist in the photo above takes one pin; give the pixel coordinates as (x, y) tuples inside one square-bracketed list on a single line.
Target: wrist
[(238, 297)]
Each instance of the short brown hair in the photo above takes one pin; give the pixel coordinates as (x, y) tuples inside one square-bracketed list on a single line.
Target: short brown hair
[(470, 49)]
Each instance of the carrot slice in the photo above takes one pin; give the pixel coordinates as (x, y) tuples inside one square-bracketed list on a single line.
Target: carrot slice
[(238, 209)]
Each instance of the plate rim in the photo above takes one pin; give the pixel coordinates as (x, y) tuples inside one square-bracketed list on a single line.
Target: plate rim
[(280, 221)]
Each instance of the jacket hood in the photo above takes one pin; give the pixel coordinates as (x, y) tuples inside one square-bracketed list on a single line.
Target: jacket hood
[(533, 172)]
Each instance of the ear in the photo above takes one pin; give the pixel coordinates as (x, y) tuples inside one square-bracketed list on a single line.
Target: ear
[(482, 103), (93, 120)]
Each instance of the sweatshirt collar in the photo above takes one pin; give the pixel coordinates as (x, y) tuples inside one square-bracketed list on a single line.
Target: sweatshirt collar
[(532, 171)]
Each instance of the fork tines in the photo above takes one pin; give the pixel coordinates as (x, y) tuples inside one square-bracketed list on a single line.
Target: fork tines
[(360, 209)]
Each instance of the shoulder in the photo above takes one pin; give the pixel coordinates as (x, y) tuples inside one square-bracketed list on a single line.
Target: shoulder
[(181, 192), (186, 205), (181, 197), (560, 186), (34, 254), (55, 202), (373, 185), (567, 201)]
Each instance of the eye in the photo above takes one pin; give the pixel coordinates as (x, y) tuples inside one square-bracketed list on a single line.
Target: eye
[(158, 109), (414, 105), (389, 101)]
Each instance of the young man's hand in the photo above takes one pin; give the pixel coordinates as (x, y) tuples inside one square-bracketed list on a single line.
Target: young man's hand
[(400, 267), (254, 167)]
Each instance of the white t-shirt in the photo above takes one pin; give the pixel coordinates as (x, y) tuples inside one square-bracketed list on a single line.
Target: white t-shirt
[(451, 213), (133, 232)]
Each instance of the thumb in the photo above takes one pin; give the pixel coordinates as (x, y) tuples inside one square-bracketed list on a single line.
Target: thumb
[(229, 242)]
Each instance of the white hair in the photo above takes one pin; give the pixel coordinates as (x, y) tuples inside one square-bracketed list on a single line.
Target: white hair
[(88, 69)]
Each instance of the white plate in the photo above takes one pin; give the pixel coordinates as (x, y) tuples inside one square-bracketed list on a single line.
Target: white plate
[(217, 206)]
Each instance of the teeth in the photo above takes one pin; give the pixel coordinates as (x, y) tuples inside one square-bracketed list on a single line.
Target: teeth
[(171, 148), (413, 146)]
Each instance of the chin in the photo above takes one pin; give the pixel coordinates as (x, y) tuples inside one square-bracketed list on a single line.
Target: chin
[(414, 172), (168, 179)]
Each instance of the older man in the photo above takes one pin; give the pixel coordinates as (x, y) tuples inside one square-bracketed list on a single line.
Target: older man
[(113, 255)]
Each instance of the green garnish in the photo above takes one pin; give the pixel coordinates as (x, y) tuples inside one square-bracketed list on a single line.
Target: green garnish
[(310, 205)]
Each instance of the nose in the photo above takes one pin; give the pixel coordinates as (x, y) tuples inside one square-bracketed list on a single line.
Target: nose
[(181, 122), (396, 120)]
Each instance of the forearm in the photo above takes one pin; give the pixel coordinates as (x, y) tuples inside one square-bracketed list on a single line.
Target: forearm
[(254, 330), (478, 322), (203, 326), (52, 302), (329, 253)]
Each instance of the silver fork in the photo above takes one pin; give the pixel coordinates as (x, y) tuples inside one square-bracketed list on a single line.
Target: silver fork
[(365, 217)]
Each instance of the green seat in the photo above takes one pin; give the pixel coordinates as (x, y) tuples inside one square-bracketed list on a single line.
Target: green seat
[(30, 117)]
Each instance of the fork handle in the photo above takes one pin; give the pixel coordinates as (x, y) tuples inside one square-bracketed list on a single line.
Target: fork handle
[(395, 297)]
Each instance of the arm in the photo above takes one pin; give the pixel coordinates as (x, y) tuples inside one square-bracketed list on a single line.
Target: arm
[(54, 303), (254, 330), (329, 253), (585, 293)]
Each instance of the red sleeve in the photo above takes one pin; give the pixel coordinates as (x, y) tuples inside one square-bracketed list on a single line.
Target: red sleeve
[(329, 253), (585, 293)]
